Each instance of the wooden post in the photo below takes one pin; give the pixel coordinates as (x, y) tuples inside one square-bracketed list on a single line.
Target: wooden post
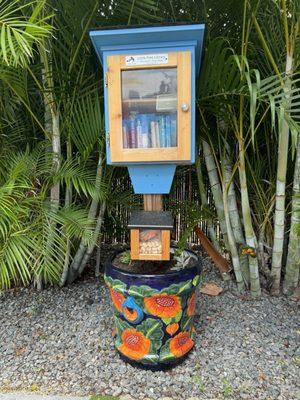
[(153, 202)]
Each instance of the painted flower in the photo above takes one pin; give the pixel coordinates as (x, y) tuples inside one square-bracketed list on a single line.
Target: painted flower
[(134, 344), (172, 329), (192, 305), (117, 299), (163, 305), (181, 344)]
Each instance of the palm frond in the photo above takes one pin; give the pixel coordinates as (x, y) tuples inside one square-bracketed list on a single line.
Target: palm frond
[(22, 27)]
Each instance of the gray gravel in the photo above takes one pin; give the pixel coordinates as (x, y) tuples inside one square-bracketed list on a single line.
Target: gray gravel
[(59, 341)]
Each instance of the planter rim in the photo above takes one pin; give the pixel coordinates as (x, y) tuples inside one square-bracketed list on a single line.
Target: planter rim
[(109, 265)]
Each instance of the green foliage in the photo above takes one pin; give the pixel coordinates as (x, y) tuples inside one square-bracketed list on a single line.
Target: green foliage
[(126, 257), (23, 25), (47, 67), (26, 224)]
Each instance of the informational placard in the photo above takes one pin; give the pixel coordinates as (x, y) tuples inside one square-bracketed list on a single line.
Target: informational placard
[(147, 59)]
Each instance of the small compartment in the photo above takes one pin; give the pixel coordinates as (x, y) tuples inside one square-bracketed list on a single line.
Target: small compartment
[(150, 233)]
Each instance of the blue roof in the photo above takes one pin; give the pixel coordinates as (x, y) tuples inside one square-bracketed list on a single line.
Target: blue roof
[(129, 39)]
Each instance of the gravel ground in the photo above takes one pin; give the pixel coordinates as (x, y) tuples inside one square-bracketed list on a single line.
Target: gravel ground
[(59, 341)]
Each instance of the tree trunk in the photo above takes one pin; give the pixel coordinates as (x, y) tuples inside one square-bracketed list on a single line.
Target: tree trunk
[(232, 243), (293, 258), (68, 201), (215, 188), (279, 218), (80, 253), (249, 232), (203, 197), (234, 218), (97, 231)]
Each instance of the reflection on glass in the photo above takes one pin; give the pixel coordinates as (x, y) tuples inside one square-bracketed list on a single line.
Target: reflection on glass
[(150, 241), (149, 108)]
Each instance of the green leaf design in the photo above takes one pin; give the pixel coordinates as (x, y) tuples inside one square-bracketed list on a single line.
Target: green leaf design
[(178, 317), (178, 288), (115, 284), (150, 359), (153, 330), (196, 280), (165, 355), (141, 291), (121, 325), (168, 321), (187, 323)]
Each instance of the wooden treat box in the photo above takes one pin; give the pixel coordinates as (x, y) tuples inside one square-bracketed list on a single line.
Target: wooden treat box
[(150, 233)]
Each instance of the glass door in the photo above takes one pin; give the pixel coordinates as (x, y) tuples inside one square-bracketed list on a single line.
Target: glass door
[(149, 109)]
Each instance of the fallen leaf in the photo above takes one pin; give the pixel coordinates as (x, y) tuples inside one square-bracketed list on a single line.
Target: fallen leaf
[(211, 289), (296, 295), (20, 351)]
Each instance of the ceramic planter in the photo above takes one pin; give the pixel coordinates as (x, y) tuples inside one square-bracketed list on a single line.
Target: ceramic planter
[(154, 313)]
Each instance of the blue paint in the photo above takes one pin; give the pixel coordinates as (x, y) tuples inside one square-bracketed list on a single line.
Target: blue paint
[(152, 178), (130, 304), (148, 35)]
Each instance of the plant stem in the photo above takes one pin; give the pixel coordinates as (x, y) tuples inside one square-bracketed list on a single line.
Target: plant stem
[(203, 197), (215, 188), (234, 216), (279, 218), (293, 258)]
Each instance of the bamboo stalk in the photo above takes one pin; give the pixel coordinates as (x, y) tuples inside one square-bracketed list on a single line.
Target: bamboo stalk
[(215, 188), (203, 197), (68, 201), (234, 216), (279, 217), (97, 231), (249, 232), (232, 244), (77, 260), (293, 258)]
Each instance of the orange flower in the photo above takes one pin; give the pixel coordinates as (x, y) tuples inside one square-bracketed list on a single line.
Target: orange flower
[(130, 314), (134, 344), (117, 299), (163, 305), (172, 328), (191, 305), (181, 344)]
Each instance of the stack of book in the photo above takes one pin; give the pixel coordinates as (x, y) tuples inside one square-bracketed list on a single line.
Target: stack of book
[(150, 130)]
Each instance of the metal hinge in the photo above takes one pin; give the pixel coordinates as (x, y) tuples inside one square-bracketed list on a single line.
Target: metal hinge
[(106, 79)]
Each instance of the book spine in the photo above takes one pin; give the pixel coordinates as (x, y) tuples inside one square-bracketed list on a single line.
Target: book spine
[(139, 134), (153, 134), (174, 130), (133, 135), (162, 131), (157, 136), (168, 131), (126, 143), (145, 134)]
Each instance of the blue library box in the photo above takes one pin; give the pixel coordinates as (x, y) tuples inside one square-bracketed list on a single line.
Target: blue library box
[(149, 93)]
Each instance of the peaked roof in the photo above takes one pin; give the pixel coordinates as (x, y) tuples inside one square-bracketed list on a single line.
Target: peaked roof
[(112, 38)]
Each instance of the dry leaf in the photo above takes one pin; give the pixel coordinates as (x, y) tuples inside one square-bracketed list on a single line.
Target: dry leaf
[(211, 289), (20, 351)]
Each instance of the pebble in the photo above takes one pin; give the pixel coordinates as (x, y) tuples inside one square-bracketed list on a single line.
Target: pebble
[(58, 341)]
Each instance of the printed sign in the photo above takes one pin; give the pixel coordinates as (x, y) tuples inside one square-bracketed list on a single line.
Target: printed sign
[(147, 59)]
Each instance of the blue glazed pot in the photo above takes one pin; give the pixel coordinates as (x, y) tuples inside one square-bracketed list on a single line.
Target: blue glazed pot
[(154, 313)]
